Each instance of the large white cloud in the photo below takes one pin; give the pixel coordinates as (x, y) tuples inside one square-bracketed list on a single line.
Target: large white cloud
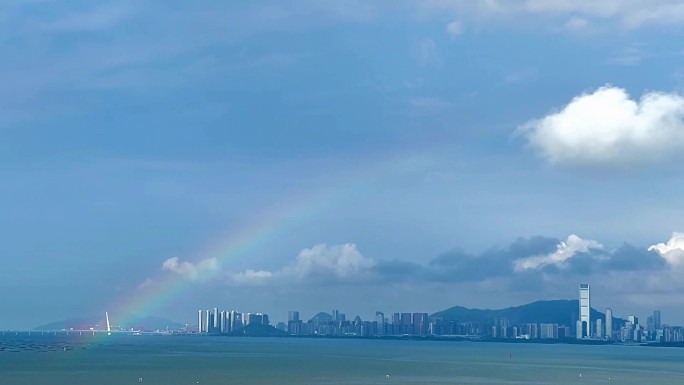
[(672, 251), (341, 262), (564, 251), (191, 270), (607, 127)]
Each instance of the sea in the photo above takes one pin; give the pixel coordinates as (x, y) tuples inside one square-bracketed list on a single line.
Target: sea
[(50, 359)]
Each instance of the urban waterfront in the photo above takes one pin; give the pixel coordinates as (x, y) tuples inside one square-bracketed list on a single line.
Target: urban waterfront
[(533, 321), (191, 359)]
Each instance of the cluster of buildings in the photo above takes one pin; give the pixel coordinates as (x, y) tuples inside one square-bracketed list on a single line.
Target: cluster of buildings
[(218, 322), (337, 324), (582, 326), (629, 330)]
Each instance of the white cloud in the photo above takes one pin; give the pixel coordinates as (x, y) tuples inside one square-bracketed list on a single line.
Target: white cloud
[(455, 28), (564, 251), (340, 260), (672, 251), (336, 261), (189, 270), (608, 128), (251, 277)]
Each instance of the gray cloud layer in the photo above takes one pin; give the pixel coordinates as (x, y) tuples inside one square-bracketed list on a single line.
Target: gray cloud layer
[(526, 263)]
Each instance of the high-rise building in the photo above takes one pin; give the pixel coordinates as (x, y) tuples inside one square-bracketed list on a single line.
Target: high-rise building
[(547, 331), (406, 327), (216, 319), (420, 324), (380, 320), (235, 320), (656, 320), (222, 322), (199, 321), (294, 324), (609, 323), (584, 324), (633, 320), (599, 328), (293, 316), (396, 323), (206, 321)]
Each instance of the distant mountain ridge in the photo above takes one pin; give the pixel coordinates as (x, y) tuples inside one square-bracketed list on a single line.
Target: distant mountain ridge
[(556, 311), (85, 323)]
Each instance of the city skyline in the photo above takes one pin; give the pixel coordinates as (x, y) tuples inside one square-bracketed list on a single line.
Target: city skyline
[(335, 323), (220, 321), (423, 153)]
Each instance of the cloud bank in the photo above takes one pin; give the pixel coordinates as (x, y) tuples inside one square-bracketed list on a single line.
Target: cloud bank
[(608, 128), (564, 251), (527, 261)]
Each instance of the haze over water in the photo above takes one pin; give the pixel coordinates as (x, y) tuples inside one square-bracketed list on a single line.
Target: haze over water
[(176, 360)]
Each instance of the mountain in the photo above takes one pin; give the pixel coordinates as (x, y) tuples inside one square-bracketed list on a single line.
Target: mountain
[(73, 323), (98, 323), (557, 311), (321, 317)]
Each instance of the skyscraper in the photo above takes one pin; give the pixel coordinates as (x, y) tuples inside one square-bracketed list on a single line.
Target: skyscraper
[(206, 321), (222, 322), (609, 323), (199, 321), (396, 323), (216, 319), (585, 311), (656, 320), (293, 316), (420, 324), (380, 320), (633, 320)]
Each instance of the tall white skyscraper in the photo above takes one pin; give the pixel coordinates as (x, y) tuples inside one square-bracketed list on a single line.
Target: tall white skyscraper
[(206, 320), (609, 323), (199, 321), (222, 322), (585, 310)]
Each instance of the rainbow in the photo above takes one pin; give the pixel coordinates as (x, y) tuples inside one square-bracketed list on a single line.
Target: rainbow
[(264, 228)]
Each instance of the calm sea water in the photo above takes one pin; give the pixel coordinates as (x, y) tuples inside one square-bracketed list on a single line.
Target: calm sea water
[(171, 360)]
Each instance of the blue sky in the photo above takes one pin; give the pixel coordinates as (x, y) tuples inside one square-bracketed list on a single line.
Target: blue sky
[(393, 137)]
